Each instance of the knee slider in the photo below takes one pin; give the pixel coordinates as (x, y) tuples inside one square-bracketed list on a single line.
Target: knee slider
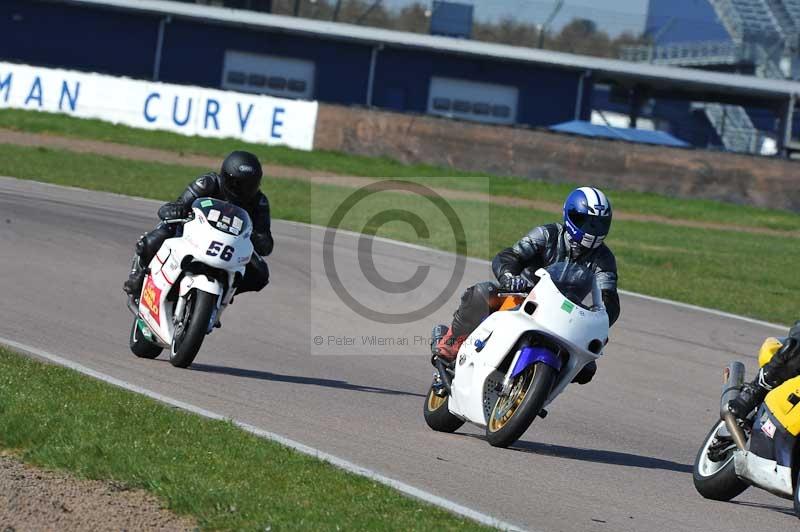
[(485, 291)]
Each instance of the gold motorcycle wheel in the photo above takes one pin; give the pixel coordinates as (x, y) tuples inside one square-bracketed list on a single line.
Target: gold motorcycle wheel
[(437, 414), (505, 407), (513, 414)]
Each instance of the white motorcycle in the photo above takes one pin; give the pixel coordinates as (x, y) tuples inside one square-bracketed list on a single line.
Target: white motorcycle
[(190, 281), (521, 357)]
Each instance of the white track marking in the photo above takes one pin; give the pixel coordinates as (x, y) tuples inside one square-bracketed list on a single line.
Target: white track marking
[(341, 463)]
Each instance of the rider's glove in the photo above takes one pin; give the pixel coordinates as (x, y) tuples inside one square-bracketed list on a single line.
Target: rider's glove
[(515, 283), (171, 211)]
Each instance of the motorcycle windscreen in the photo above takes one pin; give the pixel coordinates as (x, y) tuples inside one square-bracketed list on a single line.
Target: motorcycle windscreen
[(575, 282), (224, 216)]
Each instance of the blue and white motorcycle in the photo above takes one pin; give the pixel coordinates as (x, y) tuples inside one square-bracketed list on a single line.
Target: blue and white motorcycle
[(521, 357)]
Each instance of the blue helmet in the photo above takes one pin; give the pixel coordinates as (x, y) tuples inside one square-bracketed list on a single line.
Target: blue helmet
[(587, 216)]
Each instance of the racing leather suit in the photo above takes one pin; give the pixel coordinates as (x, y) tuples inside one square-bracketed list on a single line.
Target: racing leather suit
[(541, 247), (209, 185)]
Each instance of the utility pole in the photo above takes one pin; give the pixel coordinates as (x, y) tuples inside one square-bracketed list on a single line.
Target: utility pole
[(544, 27), (336, 10), (369, 10), (296, 8)]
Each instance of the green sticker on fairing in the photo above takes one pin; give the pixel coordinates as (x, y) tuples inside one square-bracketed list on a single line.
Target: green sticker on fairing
[(567, 306), (206, 203), (145, 329)]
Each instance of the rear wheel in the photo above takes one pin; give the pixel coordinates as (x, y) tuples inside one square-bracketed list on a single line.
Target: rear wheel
[(514, 413), (189, 334), (716, 479), (437, 413), (141, 346)]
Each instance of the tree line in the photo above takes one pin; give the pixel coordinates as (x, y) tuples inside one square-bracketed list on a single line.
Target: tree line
[(579, 36)]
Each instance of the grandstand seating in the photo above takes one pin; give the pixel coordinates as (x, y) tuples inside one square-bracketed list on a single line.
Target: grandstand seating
[(761, 33)]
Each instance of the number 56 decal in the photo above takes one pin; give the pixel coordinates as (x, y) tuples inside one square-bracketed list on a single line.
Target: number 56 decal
[(215, 248)]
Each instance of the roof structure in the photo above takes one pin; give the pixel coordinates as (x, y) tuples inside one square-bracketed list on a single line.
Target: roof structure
[(655, 79), (587, 129)]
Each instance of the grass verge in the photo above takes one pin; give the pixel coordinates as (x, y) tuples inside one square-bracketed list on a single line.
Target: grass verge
[(623, 201), (742, 273), (224, 477)]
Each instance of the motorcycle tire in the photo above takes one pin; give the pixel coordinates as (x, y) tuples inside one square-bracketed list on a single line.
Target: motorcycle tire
[(716, 480), (437, 414), (796, 496), (186, 343), (141, 346), (508, 422)]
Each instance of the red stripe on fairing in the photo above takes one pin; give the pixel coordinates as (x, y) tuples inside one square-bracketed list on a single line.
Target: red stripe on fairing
[(164, 275)]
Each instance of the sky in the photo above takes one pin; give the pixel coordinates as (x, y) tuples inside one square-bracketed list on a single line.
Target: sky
[(613, 16)]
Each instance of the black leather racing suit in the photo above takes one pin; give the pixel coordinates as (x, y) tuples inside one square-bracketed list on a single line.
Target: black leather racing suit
[(541, 247), (209, 185)]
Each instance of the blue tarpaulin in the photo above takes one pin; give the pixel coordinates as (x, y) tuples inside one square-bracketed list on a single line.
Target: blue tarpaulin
[(587, 129)]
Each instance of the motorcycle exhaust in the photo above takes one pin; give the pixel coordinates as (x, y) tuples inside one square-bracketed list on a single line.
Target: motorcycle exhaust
[(445, 375), (732, 381)]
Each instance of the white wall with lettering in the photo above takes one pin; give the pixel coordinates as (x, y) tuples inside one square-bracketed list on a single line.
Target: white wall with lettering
[(148, 105)]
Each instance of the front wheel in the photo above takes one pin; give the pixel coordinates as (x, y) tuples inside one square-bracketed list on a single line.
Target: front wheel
[(716, 479), (189, 334), (437, 413), (141, 346), (514, 413)]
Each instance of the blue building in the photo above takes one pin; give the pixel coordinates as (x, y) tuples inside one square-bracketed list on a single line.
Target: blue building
[(353, 65)]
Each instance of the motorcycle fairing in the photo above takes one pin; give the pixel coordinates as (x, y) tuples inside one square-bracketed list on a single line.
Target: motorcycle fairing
[(574, 327), (768, 461), (783, 403), (154, 305), (769, 439), (764, 473)]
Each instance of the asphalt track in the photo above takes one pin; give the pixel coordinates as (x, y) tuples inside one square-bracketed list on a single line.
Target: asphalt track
[(612, 456)]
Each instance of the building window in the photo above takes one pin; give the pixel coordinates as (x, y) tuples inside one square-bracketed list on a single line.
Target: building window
[(268, 74), (470, 100)]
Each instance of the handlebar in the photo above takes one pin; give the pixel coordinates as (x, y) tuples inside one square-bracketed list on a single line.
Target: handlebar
[(513, 294), (178, 220)]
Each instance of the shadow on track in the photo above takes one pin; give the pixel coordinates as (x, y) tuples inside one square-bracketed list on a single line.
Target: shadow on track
[(594, 455), (600, 456), (779, 509), (294, 379)]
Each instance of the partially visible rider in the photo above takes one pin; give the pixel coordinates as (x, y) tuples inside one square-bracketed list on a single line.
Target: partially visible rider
[(238, 182), (579, 239), (784, 365)]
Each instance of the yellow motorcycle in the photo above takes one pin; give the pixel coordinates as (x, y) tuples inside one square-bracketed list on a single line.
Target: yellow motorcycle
[(761, 451)]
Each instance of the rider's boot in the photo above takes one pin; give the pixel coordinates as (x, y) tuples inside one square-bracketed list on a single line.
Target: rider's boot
[(752, 395), (445, 345), (133, 286), (771, 375)]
